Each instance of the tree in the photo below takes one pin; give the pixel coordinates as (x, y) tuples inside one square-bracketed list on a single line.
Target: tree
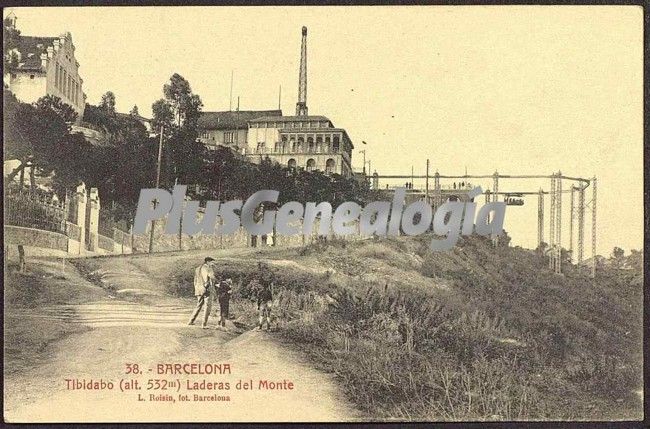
[(178, 113), (108, 103), (134, 111), (32, 133), (185, 106), (162, 116), (64, 110), (618, 253), (10, 37), (618, 257)]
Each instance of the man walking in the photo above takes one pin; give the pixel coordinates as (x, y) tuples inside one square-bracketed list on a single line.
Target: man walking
[(265, 296), (224, 291), (204, 280)]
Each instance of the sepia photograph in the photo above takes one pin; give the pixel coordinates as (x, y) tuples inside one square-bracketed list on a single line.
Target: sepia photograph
[(419, 213)]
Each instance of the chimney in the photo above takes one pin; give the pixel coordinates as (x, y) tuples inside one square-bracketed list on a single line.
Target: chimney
[(301, 105)]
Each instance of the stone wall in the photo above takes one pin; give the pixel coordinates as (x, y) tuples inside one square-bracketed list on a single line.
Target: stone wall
[(18, 235)]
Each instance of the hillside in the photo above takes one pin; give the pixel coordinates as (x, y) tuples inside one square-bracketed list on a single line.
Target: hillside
[(475, 333)]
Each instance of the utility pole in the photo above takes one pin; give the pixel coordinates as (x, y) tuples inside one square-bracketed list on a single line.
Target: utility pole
[(153, 222), (364, 160)]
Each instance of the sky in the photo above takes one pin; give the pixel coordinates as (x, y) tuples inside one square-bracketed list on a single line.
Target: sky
[(513, 89)]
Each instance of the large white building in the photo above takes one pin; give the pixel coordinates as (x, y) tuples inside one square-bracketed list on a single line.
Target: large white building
[(45, 66), (307, 142)]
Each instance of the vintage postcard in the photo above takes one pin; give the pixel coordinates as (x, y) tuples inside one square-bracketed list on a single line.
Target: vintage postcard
[(323, 214)]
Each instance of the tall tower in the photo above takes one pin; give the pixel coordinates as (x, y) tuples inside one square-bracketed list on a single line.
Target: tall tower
[(301, 105)]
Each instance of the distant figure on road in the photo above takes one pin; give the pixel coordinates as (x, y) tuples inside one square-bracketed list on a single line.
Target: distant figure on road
[(224, 291), (204, 282)]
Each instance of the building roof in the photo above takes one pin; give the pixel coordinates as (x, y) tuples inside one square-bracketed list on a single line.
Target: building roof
[(30, 49), (237, 119), (291, 118)]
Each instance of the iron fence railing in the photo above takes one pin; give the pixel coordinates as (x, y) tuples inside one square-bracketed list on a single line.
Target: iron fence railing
[(35, 210)]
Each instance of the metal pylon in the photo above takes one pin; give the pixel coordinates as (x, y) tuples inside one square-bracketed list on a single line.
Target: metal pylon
[(437, 197), (540, 218), (558, 225), (571, 216), (593, 229), (581, 222), (495, 198), (551, 237)]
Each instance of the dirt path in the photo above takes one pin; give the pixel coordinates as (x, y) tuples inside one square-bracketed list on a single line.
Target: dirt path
[(119, 331)]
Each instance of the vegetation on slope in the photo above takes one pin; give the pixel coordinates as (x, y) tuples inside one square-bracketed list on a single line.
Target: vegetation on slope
[(475, 333)]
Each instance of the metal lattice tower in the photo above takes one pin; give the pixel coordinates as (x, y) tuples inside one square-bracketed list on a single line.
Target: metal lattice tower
[(540, 218), (495, 183), (437, 196), (558, 225), (571, 216), (301, 105), (581, 222), (593, 229), (551, 236)]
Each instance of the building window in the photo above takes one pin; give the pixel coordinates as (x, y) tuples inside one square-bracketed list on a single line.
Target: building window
[(228, 136), (335, 146), (330, 166), (311, 164), (292, 163), (261, 147)]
